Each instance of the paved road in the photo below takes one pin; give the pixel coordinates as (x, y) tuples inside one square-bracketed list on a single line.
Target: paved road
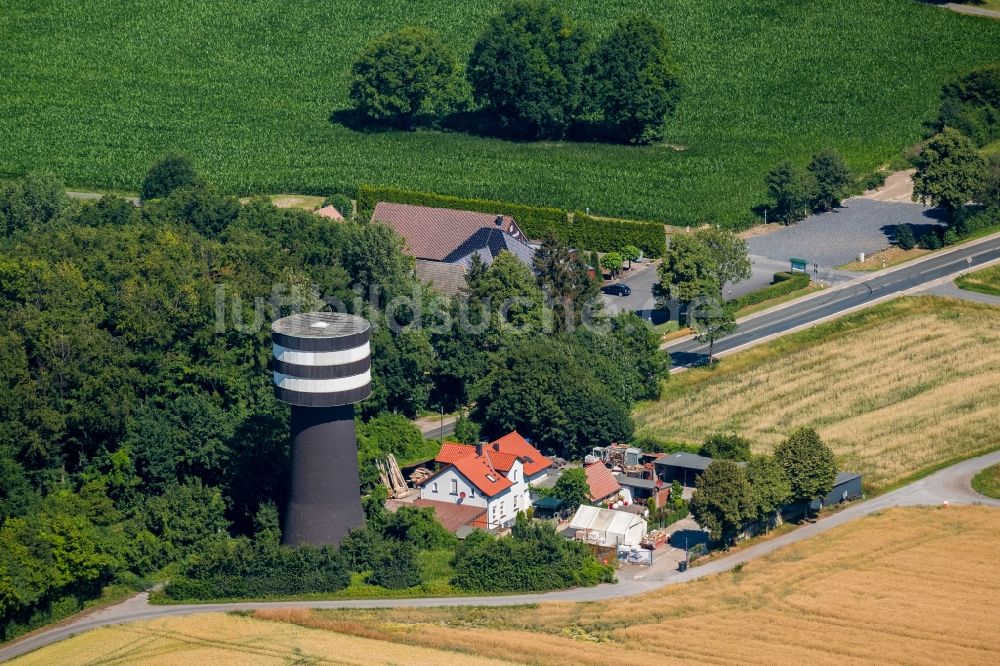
[(951, 484), (860, 293)]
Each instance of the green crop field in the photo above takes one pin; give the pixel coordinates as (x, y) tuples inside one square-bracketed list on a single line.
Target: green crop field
[(95, 89)]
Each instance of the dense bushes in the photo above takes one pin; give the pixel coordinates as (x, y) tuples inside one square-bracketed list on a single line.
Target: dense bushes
[(784, 283), (534, 221), (971, 104), (245, 568), (607, 235), (533, 558)]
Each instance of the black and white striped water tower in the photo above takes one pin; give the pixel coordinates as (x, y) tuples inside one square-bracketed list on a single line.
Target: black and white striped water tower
[(322, 367)]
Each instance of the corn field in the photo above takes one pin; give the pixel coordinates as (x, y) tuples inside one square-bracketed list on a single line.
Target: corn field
[(94, 90)]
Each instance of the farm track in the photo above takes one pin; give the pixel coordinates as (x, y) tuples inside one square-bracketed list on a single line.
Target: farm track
[(951, 485)]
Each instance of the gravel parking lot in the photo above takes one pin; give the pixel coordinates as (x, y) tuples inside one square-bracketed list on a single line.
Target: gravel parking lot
[(836, 238)]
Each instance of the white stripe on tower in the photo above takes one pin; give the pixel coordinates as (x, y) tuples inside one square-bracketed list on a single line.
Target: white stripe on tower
[(296, 357), (322, 385)]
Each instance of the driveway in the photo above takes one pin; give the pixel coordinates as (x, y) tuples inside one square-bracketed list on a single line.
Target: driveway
[(836, 238)]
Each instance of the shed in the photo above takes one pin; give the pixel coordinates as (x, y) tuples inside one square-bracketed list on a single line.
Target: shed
[(683, 467), (607, 527), (546, 507), (846, 487)]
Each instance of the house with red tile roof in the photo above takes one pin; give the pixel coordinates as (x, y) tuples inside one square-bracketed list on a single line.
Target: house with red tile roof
[(444, 240), (494, 476)]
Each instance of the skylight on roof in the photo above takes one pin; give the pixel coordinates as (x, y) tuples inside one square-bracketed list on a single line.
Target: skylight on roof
[(491, 478)]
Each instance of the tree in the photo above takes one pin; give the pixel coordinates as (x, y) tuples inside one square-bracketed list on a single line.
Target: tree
[(809, 464), (722, 500), (549, 390), (508, 286), (572, 488), (406, 75), (990, 196), (25, 203), (688, 269), (769, 489), (790, 191), (528, 67), (171, 172), (563, 278), (950, 171), (466, 430), (904, 237), (612, 261), (831, 176), (632, 253), (635, 81), (730, 253), (712, 320), (726, 446)]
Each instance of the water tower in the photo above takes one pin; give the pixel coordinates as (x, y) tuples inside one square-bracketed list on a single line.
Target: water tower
[(322, 366)]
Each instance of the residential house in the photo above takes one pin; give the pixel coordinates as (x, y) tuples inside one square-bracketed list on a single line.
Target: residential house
[(494, 476), (444, 240), (604, 487)]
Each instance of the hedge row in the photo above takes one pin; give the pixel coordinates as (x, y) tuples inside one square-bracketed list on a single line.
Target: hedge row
[(535, 222), (605, 235), (584, 232), (784, 283)]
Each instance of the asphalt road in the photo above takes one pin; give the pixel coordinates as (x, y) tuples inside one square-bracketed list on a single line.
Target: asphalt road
[(860, 293), (951, 485)]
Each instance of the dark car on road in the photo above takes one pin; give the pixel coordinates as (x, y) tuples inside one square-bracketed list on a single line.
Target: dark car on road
[(617, 290)]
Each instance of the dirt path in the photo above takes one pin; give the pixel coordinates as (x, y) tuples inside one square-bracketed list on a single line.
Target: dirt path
[(972, 10), (898, 188)]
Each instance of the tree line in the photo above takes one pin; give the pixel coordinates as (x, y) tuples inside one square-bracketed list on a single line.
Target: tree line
[(534, 71), (730, 496)]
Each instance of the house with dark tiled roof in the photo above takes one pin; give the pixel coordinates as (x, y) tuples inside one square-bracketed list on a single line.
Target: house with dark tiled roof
[(443, 241), (494, 476)]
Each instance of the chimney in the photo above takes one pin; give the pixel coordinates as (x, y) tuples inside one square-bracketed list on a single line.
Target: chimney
[(499, 221), (479, 448)]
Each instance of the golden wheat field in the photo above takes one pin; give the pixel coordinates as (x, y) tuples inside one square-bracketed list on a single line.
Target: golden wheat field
[(893, 390), (231, 640), (909, 586)]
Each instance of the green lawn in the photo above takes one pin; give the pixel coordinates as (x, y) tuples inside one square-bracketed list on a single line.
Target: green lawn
[(986, 281), (987, 482), (95, 89)]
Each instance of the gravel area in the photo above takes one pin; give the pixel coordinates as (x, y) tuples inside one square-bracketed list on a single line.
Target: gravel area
[(835, 238)]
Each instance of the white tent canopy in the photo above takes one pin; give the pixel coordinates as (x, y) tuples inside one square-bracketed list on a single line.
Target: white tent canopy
[(608, 527)]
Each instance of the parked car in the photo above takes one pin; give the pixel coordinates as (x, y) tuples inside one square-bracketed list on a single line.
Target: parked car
[(617, 290)]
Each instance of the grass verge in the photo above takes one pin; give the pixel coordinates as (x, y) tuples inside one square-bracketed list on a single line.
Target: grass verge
[(986, 281), (987, 482)]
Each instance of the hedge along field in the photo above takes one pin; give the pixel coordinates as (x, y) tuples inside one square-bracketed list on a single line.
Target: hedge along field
[(95, 89)]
